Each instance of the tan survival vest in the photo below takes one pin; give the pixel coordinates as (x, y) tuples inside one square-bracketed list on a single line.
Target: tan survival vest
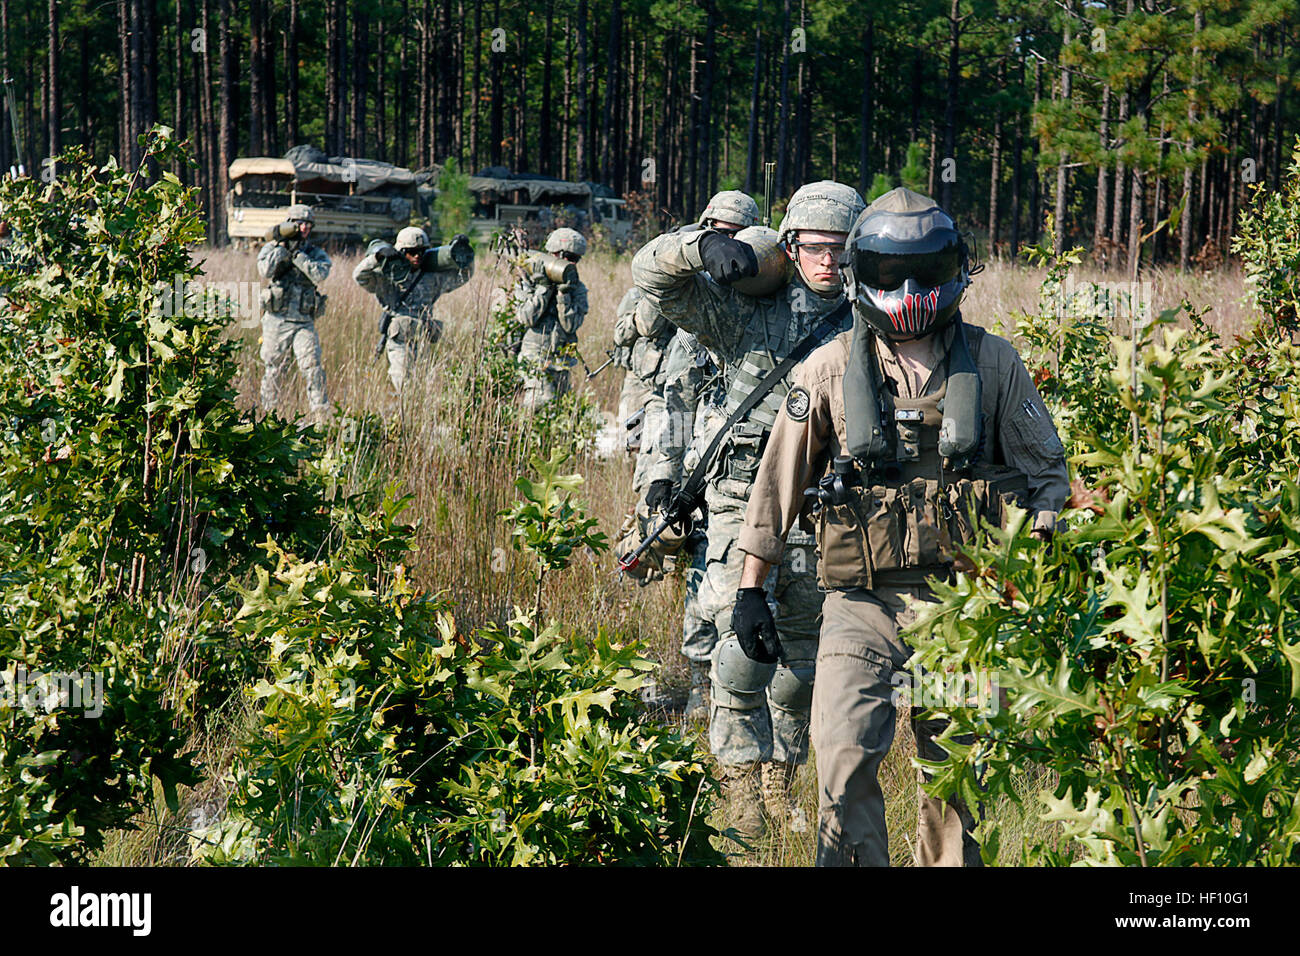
[(902, 532)]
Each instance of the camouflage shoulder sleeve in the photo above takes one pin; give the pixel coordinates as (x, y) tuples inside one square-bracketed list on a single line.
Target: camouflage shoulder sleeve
[(572, 307), (683, 379), (667, 270), (1025, 434), (271, 259), (313, 262), (369, 274)]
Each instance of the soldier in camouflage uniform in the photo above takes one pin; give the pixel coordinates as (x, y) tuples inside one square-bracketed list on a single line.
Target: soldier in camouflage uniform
[(694, 409), (634, 393), (912, 421), (727, 212), (759, 712), (407, 284), (551, 314), (291, 304)]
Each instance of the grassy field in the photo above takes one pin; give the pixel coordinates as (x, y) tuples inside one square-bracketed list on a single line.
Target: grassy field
[(437, 449)]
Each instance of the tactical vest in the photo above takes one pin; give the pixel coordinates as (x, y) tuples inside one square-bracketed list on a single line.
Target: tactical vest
[(293, 292), (744, 449), (901, 531)]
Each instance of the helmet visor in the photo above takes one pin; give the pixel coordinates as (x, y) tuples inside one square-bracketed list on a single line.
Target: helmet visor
[(888, 271)]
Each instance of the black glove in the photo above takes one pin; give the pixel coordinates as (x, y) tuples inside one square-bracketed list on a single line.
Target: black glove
[(727, 260), (461, 252), (752, 621), (659, 495)]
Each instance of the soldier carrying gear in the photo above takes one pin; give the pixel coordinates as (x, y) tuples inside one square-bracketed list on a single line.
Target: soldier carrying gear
[(759, 715), (890, 424), (291, 304), (407, 278), (551, 313)]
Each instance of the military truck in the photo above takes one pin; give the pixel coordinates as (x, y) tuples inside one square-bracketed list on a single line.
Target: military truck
[(538, 204), (354, 199)]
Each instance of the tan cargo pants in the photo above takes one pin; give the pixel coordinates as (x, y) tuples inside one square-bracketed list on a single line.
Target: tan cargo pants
[(853, 719)]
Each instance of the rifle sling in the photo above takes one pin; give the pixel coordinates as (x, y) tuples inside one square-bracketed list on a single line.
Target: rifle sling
[(693, 487)]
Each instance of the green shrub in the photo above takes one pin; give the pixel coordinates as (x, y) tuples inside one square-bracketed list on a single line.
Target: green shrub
[(1147, 655), (129, 487), (383, 735)]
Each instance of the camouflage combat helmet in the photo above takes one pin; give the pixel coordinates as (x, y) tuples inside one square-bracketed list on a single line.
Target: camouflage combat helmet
[(566, 240), (905, 265), (824, 206), (301, 212), (731, 205), (412, 238)]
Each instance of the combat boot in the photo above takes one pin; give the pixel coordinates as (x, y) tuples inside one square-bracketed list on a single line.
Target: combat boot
[(778, 778), (744, 799), (697, 701)]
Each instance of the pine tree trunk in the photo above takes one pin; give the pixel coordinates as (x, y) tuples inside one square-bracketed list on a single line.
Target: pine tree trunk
[(1099, 253), (1062, 167), (783, 109), (581, 157), (868, 105), (950, 101), (212, 209), (498, 118), (609, 108), (53, 128), (226, 148), (124, 73), (995, 171), (291, 77), (360, 77), (1017, 163), (545, 146), (751, 152)]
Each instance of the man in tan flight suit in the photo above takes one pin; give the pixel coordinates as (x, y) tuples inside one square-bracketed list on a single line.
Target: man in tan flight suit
[(908, 420)]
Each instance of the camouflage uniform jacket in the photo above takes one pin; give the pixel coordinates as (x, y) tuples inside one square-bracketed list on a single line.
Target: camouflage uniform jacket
[(551, 316), (750, 335), (295, 270), (694, 400), (389, 277)]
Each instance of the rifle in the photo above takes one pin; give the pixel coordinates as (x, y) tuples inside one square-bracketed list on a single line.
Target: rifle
[(691, 495), (591, 374)]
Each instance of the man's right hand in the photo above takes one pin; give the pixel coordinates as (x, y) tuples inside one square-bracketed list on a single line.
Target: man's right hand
[(659, 494), (754, 626), (727, 260)]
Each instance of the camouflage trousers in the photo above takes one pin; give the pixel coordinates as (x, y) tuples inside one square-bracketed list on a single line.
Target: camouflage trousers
[(853, 722), (632, 397), (405, 336), (655, 410), (544, 387), (699, 635), (283, 337), (760, 712)]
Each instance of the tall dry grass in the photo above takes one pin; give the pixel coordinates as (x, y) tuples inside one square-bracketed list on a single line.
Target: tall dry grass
[(447, 451)]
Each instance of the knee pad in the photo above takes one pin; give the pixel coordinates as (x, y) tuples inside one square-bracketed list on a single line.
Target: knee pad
[(738, 682), (792, 686)]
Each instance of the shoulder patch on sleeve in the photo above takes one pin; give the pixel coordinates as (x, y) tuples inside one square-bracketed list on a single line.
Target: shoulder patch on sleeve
[(797, 404)]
